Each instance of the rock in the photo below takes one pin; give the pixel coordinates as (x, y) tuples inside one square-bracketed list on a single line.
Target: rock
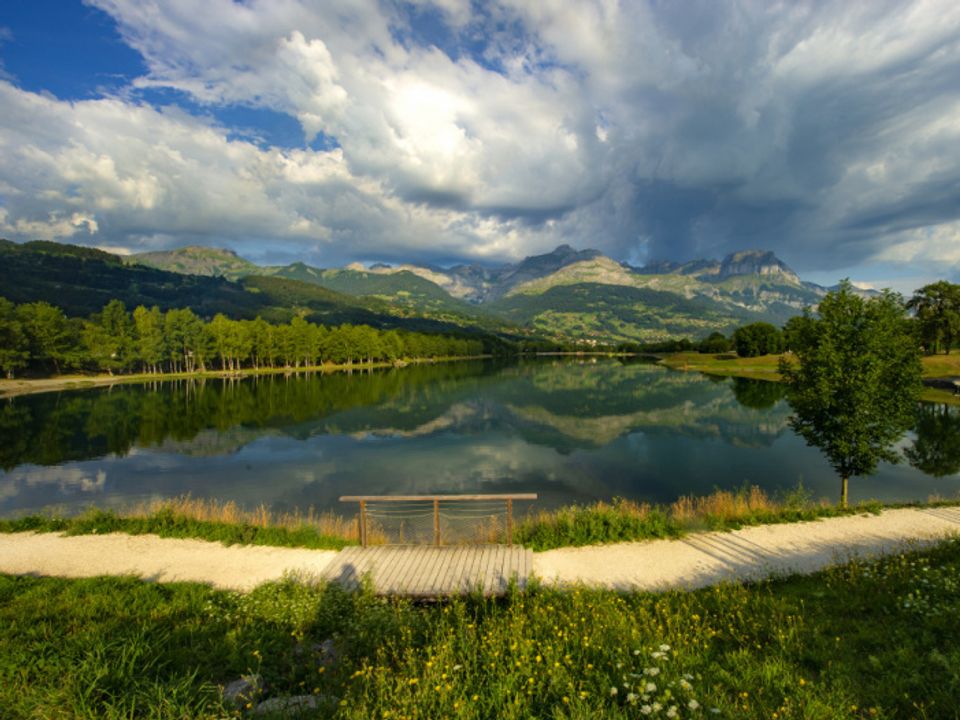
[(324, 653), (327, 652), (240, 692), (293, 705)]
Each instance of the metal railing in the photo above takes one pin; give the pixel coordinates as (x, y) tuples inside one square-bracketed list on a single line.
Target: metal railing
[(436, 502)]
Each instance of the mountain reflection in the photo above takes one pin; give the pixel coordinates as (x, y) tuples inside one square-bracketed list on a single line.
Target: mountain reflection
[(560, 404), (572, 430)]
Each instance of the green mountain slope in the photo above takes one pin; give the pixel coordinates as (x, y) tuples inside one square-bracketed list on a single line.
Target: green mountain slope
[(565, 294), (82, 280), (196, 260), (601, 312)]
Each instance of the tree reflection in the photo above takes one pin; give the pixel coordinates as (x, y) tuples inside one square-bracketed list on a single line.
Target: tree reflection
[(758, 394), (936, 451)]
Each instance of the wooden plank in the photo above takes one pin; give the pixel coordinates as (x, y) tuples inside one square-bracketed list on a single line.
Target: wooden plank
[(428, 571), (341, 570), (445, 582), (465, 582), (424, 580), (506, 569), (478, 576), (389, 557), (431, 498), (403, 564), (502, 571), (429, 576), (464, 569), (365, 561), (452, 583), (407, 579)]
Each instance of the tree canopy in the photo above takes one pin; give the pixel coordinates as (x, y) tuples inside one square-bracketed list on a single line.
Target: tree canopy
[(855, 386), (40, 338), (937, 308), (759, 338)]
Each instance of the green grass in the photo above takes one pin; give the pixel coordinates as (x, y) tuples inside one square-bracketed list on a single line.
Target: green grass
[(626, 521), (766, 367), (594, 524), (168, 523), (863, 640)]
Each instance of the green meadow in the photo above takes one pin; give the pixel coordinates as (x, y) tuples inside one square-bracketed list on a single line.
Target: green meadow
[(862, 640)]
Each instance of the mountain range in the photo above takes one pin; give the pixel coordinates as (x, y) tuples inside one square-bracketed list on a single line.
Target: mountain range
[(565, 294)]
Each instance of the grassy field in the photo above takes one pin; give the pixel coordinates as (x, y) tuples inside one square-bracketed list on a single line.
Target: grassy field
[(863, 640), (767, 368), (592, 524)]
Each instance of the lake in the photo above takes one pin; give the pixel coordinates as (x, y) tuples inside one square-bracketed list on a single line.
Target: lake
[(573, 430)]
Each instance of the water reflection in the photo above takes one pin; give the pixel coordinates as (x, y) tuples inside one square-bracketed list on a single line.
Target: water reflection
[(936, 450), (572, 431)]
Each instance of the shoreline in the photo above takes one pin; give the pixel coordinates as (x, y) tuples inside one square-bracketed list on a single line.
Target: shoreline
[(697, 560), (31, 386), (936, 384)]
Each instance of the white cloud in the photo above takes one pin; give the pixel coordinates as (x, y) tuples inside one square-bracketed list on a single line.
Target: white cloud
[(826, 132)]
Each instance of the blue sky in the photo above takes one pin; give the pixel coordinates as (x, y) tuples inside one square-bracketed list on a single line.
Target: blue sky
[(447, 131)]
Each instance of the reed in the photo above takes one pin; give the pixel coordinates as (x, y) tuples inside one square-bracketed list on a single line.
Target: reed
[(625, 520)]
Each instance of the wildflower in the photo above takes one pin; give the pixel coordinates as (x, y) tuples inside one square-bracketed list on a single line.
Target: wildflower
[(650, 687), (672, 712), (631, 697), (685, 685), (651, 671), (646, 709), (693, 704), (664, 648)]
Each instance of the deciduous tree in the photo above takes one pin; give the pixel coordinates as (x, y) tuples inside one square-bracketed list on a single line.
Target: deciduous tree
[(855, 381)]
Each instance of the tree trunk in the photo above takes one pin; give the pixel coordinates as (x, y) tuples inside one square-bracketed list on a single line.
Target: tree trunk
[(843, 493)]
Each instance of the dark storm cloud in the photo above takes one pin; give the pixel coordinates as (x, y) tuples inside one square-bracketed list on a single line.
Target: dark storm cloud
[(828, 132)]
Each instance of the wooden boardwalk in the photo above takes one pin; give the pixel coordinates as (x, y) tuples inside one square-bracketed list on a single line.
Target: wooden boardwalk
[(427, 571)]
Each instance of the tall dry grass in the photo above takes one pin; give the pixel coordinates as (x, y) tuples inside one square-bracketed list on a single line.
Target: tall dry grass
[(626, 520), (230, 513)]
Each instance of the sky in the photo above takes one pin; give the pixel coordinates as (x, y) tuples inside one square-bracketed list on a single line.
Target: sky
[(452, 131)]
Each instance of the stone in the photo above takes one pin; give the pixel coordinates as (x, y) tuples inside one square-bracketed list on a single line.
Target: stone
[(327, 652), (240, 692), (293, 705)]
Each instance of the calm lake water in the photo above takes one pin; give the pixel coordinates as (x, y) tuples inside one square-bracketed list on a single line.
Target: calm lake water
[(572, 431)]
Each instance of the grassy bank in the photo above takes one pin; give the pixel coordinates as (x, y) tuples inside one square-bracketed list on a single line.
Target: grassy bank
[(28, 386), (593, 524), (188, 517), (767, 368), (624, 520), (863, 640)]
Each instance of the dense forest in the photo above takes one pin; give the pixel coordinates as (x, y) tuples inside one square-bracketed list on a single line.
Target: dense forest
[(40, 338)]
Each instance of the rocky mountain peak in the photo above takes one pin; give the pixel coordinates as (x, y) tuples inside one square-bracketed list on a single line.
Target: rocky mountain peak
[(756, 262)]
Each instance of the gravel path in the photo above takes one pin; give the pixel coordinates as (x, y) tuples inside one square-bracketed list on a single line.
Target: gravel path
[(750, 553), (694, 561), (234, 567)]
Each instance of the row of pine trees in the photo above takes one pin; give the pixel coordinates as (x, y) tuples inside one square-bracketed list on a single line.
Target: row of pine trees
[(38, 337)]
